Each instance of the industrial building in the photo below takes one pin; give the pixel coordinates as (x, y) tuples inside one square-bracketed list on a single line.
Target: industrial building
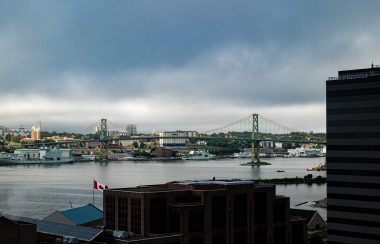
[(202, 212), (353, 153)]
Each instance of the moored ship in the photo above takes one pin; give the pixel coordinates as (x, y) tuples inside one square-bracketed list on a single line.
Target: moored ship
[(199, 155), (38, 156)]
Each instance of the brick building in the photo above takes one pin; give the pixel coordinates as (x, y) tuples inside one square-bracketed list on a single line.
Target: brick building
[(210, 211), (13, 232)]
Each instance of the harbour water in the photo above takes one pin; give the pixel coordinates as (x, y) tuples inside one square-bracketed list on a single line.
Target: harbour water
[(38, 190)]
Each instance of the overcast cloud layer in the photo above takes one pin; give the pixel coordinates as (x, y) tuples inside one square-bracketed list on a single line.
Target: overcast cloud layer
[(177, 64)]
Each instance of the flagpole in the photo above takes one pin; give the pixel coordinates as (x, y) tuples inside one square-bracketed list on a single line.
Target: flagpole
[(93, 193)]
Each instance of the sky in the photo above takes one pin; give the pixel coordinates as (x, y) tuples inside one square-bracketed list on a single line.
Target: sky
[(177, 64)]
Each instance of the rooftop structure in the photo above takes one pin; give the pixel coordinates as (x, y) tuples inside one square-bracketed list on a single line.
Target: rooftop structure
[(357, 73), (81, 233), (313, 220)]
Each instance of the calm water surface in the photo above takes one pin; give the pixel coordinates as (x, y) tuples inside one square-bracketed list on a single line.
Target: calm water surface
[(39, 190)]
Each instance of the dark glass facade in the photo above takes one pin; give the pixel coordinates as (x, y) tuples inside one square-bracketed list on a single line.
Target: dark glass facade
[(353, 156)]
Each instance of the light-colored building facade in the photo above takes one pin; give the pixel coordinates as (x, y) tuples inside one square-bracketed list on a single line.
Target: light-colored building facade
[(176, 138), (22, 132)]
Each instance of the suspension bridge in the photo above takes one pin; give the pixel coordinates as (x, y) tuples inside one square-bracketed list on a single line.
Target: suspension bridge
[(253, 129)]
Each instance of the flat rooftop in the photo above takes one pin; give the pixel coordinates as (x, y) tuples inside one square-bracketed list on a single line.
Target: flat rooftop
[(212, 184), (357, 73)]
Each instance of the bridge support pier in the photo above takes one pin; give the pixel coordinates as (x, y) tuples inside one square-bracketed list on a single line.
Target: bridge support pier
[(103, 140), (255, 134)]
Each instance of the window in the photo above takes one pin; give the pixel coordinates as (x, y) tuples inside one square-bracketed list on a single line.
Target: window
[(158, 215), (123, 213), (196, 240), (219, 239), (136, 215), (174, 220), (110, 212), (218, 213), (260, 208), (196, 220), (240, 210)]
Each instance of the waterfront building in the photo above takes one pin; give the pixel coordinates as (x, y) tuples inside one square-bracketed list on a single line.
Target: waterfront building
[(305, 152), (177, 138), (202, 212), (161, 152), (131, 129), (22, 132), (353, 156)]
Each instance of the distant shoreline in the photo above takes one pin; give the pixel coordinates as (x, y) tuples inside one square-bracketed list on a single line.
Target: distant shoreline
[(294, 180)]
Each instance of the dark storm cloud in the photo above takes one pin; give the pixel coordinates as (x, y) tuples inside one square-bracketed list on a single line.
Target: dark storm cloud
[(240, 53)]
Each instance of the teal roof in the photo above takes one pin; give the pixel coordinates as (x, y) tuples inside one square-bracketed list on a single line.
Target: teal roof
[(82, 233), (83, 214)]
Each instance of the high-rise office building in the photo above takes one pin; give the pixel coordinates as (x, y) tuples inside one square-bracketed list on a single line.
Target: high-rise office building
[(131, 129), (353, 156)]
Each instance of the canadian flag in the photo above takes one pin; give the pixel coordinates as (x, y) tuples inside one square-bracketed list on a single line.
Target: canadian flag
[(99, 186)]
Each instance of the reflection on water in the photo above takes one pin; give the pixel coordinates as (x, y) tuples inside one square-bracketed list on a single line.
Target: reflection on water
[(38, 190)]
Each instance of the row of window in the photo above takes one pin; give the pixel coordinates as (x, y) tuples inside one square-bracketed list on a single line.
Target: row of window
[(349, 123), (353, 135), (353, 197), (354, 92), (358, 185), (345, 209), (375, 97), (353, 172), (353, 234), (352, 160), (354, 222), (353, 148), (362, 110)]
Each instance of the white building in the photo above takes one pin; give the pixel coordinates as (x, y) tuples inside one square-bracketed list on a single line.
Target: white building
[(177, 138), (304, 152)]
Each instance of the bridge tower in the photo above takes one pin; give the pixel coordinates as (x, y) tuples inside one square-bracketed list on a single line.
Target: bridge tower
[(103, 140), (255, 135)]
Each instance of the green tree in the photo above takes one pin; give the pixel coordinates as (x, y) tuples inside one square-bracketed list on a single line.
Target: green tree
[(135, 144), (16, 139), (315, 239)]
